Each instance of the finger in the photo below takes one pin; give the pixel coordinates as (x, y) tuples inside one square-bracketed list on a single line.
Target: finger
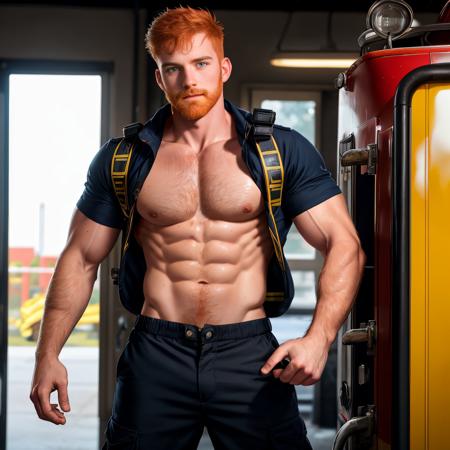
[(55, 408), (299, 377), (283, 374), (36, 404), (277, 372), (47, 411), (58, 412), (309, 381), (275, 358), (63, 398)]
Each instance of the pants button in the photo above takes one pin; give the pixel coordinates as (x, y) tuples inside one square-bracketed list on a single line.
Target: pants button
[(189, 333), (208, 334)]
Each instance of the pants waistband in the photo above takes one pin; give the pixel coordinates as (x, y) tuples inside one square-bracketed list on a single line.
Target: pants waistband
[(209, 331)]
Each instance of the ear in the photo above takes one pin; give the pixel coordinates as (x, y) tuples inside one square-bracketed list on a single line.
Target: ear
[(226, 68), (159, 79)]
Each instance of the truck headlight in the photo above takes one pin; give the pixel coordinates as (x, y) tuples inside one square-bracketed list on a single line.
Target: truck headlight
[(389, 17)]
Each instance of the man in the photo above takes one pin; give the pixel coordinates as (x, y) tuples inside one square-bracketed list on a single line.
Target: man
[(201, 351)]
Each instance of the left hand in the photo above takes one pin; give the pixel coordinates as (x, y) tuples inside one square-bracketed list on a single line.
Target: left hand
[(307, 356)]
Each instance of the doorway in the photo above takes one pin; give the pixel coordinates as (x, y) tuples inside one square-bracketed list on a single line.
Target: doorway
[(53, 120)]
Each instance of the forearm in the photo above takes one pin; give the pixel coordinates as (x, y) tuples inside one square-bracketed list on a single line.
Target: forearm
[(67, 298), (337, 288)]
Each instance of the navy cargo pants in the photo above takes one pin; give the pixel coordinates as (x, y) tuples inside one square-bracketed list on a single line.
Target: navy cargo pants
[(173, 379)]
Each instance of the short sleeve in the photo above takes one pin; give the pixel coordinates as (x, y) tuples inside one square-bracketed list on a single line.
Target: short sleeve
[(98, 200), (307, 180)]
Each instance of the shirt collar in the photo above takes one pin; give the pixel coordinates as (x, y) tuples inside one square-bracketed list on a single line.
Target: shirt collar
[(153, 129)]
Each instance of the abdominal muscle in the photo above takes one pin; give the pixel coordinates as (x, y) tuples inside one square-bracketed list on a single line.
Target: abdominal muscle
[(205, 271)]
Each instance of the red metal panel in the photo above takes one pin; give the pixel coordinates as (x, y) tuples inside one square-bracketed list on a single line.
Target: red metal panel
[(366, 110)]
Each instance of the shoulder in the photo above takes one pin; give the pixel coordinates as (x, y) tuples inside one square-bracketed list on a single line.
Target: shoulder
[(281, 127), (101, 162), (108, 149), (288, 137), (297, 150), (109, 146)]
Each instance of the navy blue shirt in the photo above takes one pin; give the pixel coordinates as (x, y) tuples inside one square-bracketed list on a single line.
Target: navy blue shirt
[(307, 182)]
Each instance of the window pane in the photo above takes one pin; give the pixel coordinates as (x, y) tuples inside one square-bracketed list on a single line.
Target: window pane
[(305, 289), (297, 114), (54, 130), (296, 247)]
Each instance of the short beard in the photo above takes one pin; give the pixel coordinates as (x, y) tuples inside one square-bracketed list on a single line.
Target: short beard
[(197, 108)]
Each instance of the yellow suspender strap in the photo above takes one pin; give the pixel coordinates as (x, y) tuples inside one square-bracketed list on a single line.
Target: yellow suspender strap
[(119, 173), (274, 177)]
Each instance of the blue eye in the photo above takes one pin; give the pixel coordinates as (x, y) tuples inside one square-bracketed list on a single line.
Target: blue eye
[(171, 69)]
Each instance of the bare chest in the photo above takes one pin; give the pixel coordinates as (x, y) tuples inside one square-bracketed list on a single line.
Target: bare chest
[(214, 183)]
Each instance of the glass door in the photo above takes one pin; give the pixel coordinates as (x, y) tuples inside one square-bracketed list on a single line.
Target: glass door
[(53, 126)]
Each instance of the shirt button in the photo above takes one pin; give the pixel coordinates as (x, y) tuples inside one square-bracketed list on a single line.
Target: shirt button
[(189, 333), (208, 334)]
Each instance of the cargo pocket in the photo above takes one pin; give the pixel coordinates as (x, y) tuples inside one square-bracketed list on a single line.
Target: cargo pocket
[(119, 437), (290, 435)]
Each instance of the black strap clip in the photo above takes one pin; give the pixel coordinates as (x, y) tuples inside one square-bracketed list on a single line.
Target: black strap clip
[(260, 125), (132, 130)]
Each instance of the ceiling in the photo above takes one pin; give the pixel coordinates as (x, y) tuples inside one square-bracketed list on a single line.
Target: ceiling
[(279, 5)]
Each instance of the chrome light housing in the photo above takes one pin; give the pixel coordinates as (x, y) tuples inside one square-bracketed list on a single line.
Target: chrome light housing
[(389, 18)]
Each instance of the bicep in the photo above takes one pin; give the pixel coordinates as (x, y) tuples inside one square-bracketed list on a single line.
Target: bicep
[(92, 240), (325, 223)]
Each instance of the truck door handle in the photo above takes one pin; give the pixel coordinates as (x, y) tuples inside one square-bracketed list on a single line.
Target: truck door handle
[(364, 334), (358, 425), (360, 156)]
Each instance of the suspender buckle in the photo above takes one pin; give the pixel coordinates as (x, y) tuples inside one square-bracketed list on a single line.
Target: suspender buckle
[(132, 129), (262, 123)]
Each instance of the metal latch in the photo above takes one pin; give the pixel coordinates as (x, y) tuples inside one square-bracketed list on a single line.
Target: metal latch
[(361, 156), (363, 426), (115, 275), (359, 335)]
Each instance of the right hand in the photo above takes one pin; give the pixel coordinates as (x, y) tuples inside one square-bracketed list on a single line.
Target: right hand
[(50, 375)]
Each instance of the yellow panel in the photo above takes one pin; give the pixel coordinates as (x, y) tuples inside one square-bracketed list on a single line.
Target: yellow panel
[(439, 273), (430, 274), (419, 300)]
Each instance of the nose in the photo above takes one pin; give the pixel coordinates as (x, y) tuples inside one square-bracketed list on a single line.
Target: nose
[(189, 78)]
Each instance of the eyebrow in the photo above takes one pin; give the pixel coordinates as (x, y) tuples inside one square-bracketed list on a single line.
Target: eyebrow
[(194, 60)]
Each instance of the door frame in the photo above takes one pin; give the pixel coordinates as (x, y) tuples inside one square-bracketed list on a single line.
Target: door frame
[(50, 67)]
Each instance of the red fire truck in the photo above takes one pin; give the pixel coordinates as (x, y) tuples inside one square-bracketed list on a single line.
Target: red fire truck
[(394, 169)]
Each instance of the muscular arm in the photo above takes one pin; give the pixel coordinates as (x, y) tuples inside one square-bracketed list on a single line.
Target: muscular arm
[(72, 282), (328, 228)]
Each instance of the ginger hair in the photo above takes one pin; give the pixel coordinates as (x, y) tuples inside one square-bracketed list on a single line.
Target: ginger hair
[(174, 28)]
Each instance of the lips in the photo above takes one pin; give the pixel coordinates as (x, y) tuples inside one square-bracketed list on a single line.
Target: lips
[(192, 96)]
